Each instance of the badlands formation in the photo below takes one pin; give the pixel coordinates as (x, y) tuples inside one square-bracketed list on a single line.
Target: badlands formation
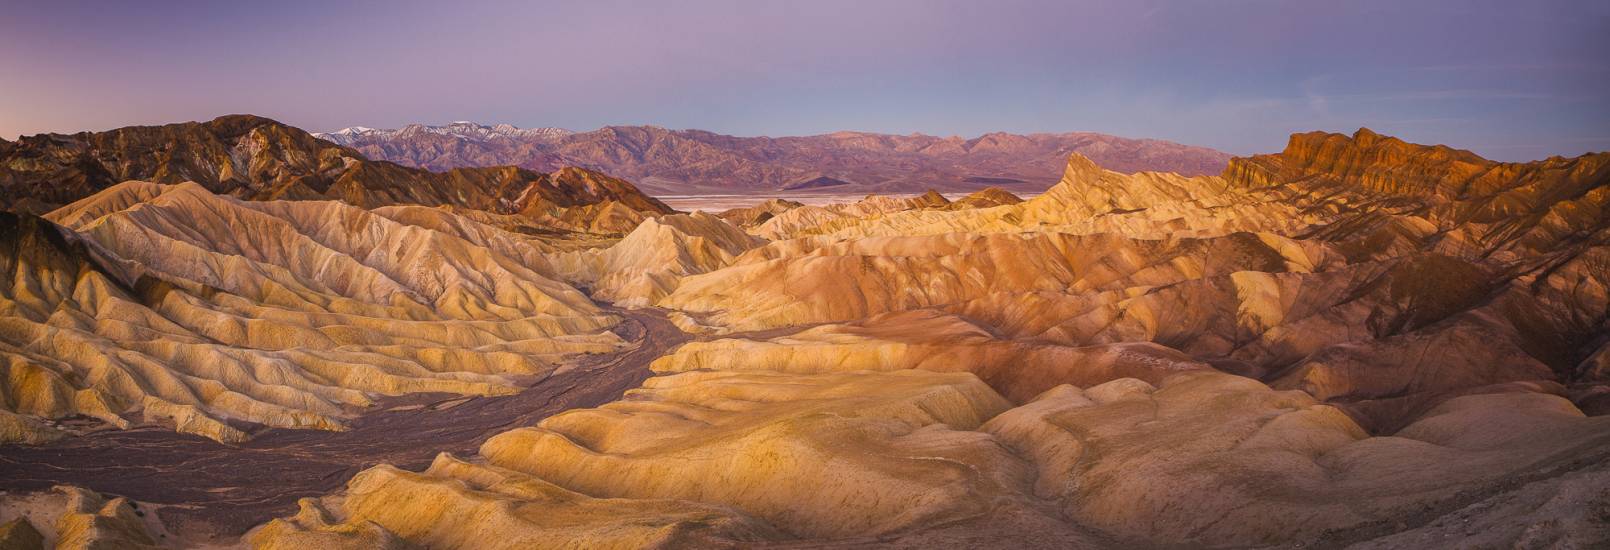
[(1357, 342), (170, 304)]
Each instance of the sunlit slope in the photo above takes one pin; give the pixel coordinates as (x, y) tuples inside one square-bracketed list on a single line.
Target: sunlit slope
[(1342, 290), (213, 314), (917, 457)]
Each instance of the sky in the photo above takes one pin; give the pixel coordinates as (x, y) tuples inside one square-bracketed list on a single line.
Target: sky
[(1510, 80)]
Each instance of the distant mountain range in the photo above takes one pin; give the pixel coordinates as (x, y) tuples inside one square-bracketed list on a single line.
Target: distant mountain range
[(255, 158), (460, 129), (663, 161)]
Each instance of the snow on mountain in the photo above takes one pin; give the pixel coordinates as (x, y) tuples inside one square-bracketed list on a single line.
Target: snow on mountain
[(463, 129)]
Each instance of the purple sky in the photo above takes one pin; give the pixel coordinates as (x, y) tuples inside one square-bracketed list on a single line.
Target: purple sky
[(1512, 80)]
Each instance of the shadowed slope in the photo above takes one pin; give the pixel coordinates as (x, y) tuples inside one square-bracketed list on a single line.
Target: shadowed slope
[(256, 158)]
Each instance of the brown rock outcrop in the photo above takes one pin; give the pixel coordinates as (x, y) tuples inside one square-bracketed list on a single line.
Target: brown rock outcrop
[(256, 158)]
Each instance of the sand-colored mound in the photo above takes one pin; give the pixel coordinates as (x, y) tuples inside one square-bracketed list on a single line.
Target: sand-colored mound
[(1213, 459), (1087, 200), (789, 449), (187, 235), (73, 518), (809, 220), (795, 221), (482, 229), (648, 264), (27, 430), (543, 232), (750, 216), (608, 218), (929, 340), (984, 198), (458, 504), (807, 281), (212, 315), (913, 457), (716, 458)]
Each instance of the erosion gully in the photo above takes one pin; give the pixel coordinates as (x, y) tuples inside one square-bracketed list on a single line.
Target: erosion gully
[(220, 491)]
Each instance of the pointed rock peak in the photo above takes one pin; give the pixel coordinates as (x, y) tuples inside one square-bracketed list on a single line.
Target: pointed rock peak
[(649, 224), (994, 195), (1081, 165), (1366, 137)]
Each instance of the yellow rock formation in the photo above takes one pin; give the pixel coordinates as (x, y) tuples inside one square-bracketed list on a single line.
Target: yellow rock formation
[(212, 310), (73, 518), (650, 261), (1217, 460), (929, 340)]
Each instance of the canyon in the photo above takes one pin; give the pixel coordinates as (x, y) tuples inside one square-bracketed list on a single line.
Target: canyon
[(237, 334)]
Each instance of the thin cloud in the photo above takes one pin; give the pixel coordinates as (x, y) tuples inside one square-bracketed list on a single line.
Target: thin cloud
[(1443, 95)]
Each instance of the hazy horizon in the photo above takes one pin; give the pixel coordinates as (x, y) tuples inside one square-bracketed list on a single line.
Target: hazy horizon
[(1507, 81)]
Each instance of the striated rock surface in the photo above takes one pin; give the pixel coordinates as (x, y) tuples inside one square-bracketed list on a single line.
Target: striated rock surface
[(212, 315), (723, 458), (750, 216), (1175, 463), (256, 158), (1088, 199), (805, 281), (929, 340), (909, 457), (1341, 291), (808, 219), (649, 263), (74, 518), (985, 198)]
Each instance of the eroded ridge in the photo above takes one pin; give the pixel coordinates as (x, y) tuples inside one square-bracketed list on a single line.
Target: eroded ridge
[(173, 305)]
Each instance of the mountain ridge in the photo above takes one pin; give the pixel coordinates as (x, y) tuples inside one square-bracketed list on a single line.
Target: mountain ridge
[(693, 161), (257, 158)]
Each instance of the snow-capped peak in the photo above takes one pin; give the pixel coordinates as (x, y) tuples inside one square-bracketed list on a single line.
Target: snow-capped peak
[(462, 128)]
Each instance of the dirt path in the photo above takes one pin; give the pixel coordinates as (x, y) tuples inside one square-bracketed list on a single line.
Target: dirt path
[(210, 490)]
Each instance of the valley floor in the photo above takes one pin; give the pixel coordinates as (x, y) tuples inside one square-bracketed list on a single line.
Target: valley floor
[(211, 492)]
